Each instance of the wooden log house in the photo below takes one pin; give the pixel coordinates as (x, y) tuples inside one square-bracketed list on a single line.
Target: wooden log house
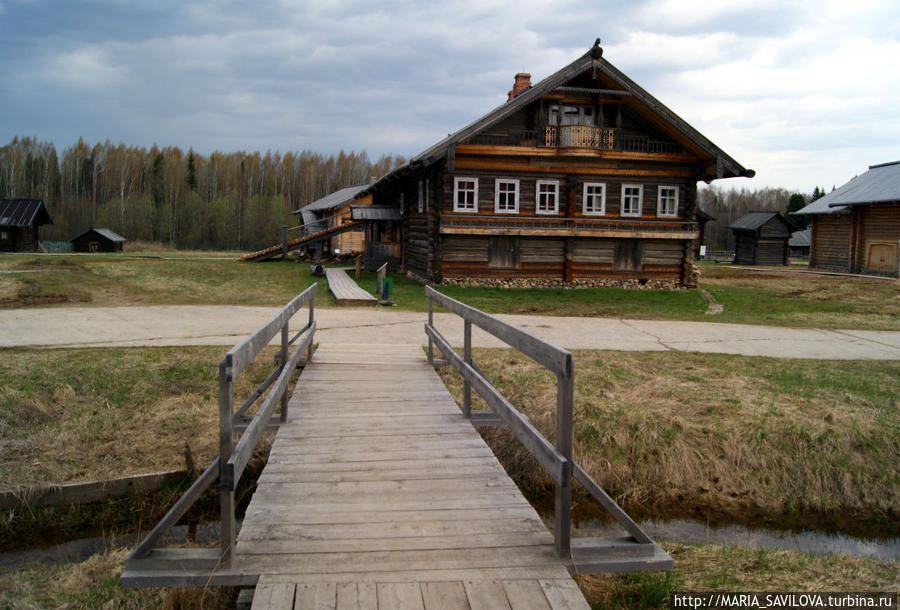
[(761, 238), (333, 210), (582, 178), (20, 221), (856, 228)]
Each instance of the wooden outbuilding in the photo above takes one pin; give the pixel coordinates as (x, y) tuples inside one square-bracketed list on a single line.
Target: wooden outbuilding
[(856, 228), (98, 239), (20, 220), (761, 238), (333, 211), (799, 243), (581, 179)]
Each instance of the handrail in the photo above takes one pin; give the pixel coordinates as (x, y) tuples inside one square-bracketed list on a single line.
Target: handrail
[(556, 460), (233, 458)]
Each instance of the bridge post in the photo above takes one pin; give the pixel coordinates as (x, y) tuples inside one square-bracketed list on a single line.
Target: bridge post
[(467, 356), (562, 514), (284, 358), (430, 323), (284, 251), (226, 445)]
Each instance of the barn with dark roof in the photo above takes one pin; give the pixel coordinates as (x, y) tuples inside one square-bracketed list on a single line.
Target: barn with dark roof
[(20, 220), (98, 239), (856, 228), (761, 238)]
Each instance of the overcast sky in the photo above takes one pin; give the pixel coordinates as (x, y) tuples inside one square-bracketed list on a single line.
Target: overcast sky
[(806, 93)]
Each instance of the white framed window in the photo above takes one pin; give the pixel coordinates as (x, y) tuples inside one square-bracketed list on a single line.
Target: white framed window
[(465, 194), (667, 201), (593, 199), (547, 200), (506, 196), (421, 196), (632, 195)]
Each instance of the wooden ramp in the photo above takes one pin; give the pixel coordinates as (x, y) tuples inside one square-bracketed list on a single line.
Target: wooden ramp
[(303, 240), (378, 493), (344, 289)]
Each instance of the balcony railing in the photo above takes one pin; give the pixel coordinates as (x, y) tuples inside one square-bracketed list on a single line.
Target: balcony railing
[(457, 223), (581, 136)]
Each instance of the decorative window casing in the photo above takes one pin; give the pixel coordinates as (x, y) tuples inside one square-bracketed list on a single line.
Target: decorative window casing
[(632, 196), (547, 197), (506, 196), (593, 199), (465, 194), (667, 202), (421, 199)]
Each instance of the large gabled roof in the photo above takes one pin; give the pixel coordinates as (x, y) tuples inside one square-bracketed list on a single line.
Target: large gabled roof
[(592, 60), (878, 185), (23, 213)]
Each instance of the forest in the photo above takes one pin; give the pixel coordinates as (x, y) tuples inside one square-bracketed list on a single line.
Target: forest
[(235, 200), (239, 200)]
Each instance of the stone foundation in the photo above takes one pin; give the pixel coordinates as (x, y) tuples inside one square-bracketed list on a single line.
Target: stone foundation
[(556, 283)]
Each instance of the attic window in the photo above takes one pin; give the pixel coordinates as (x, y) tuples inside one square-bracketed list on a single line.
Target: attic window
[(572, 115)]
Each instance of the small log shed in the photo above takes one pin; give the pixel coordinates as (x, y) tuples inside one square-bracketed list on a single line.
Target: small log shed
[(98, 240), (761, 238)]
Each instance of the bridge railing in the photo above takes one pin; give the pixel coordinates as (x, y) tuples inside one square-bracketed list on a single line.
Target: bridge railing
[(556, 459), (233, 457)]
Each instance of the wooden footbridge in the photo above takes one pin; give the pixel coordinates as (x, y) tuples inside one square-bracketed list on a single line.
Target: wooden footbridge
[(380, 493)]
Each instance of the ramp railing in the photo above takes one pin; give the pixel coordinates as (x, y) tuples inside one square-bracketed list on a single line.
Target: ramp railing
[(638, 552)]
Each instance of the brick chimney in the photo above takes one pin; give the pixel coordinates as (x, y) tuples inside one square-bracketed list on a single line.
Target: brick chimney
[(523, 82)]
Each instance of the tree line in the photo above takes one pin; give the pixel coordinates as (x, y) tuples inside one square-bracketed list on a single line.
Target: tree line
[(239, 199), (185, 199)]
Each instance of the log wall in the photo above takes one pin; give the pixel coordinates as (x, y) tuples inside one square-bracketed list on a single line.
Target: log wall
[(878, 230), (831, 242)]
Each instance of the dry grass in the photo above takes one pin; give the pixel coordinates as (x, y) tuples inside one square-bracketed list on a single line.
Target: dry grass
[(74, 415), (95, 584), (783, 297), (733, 435), (717, 568)]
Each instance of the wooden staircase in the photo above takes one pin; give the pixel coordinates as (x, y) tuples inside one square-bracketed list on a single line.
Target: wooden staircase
[(276, 250)]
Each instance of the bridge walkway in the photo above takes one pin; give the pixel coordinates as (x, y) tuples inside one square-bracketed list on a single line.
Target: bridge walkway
[(379, 493)]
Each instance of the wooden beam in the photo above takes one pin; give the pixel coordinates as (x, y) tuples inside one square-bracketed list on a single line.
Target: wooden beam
[(562, 166)]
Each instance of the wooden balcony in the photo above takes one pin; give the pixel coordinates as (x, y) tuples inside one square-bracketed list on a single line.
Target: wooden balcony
[(581, 136), (464, 224)]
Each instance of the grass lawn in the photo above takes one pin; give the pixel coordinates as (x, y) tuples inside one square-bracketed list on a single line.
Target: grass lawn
[(751, 439), (774, 297), (94, 583)]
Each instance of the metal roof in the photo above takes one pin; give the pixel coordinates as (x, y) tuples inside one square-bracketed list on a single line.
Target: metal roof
[(23, 213), (590, 60), (801, 238), (878, 185), (334, 200), (107, 233), (752, 221)]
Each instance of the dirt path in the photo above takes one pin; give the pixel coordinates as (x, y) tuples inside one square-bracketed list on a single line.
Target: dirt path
[(219, 325)]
